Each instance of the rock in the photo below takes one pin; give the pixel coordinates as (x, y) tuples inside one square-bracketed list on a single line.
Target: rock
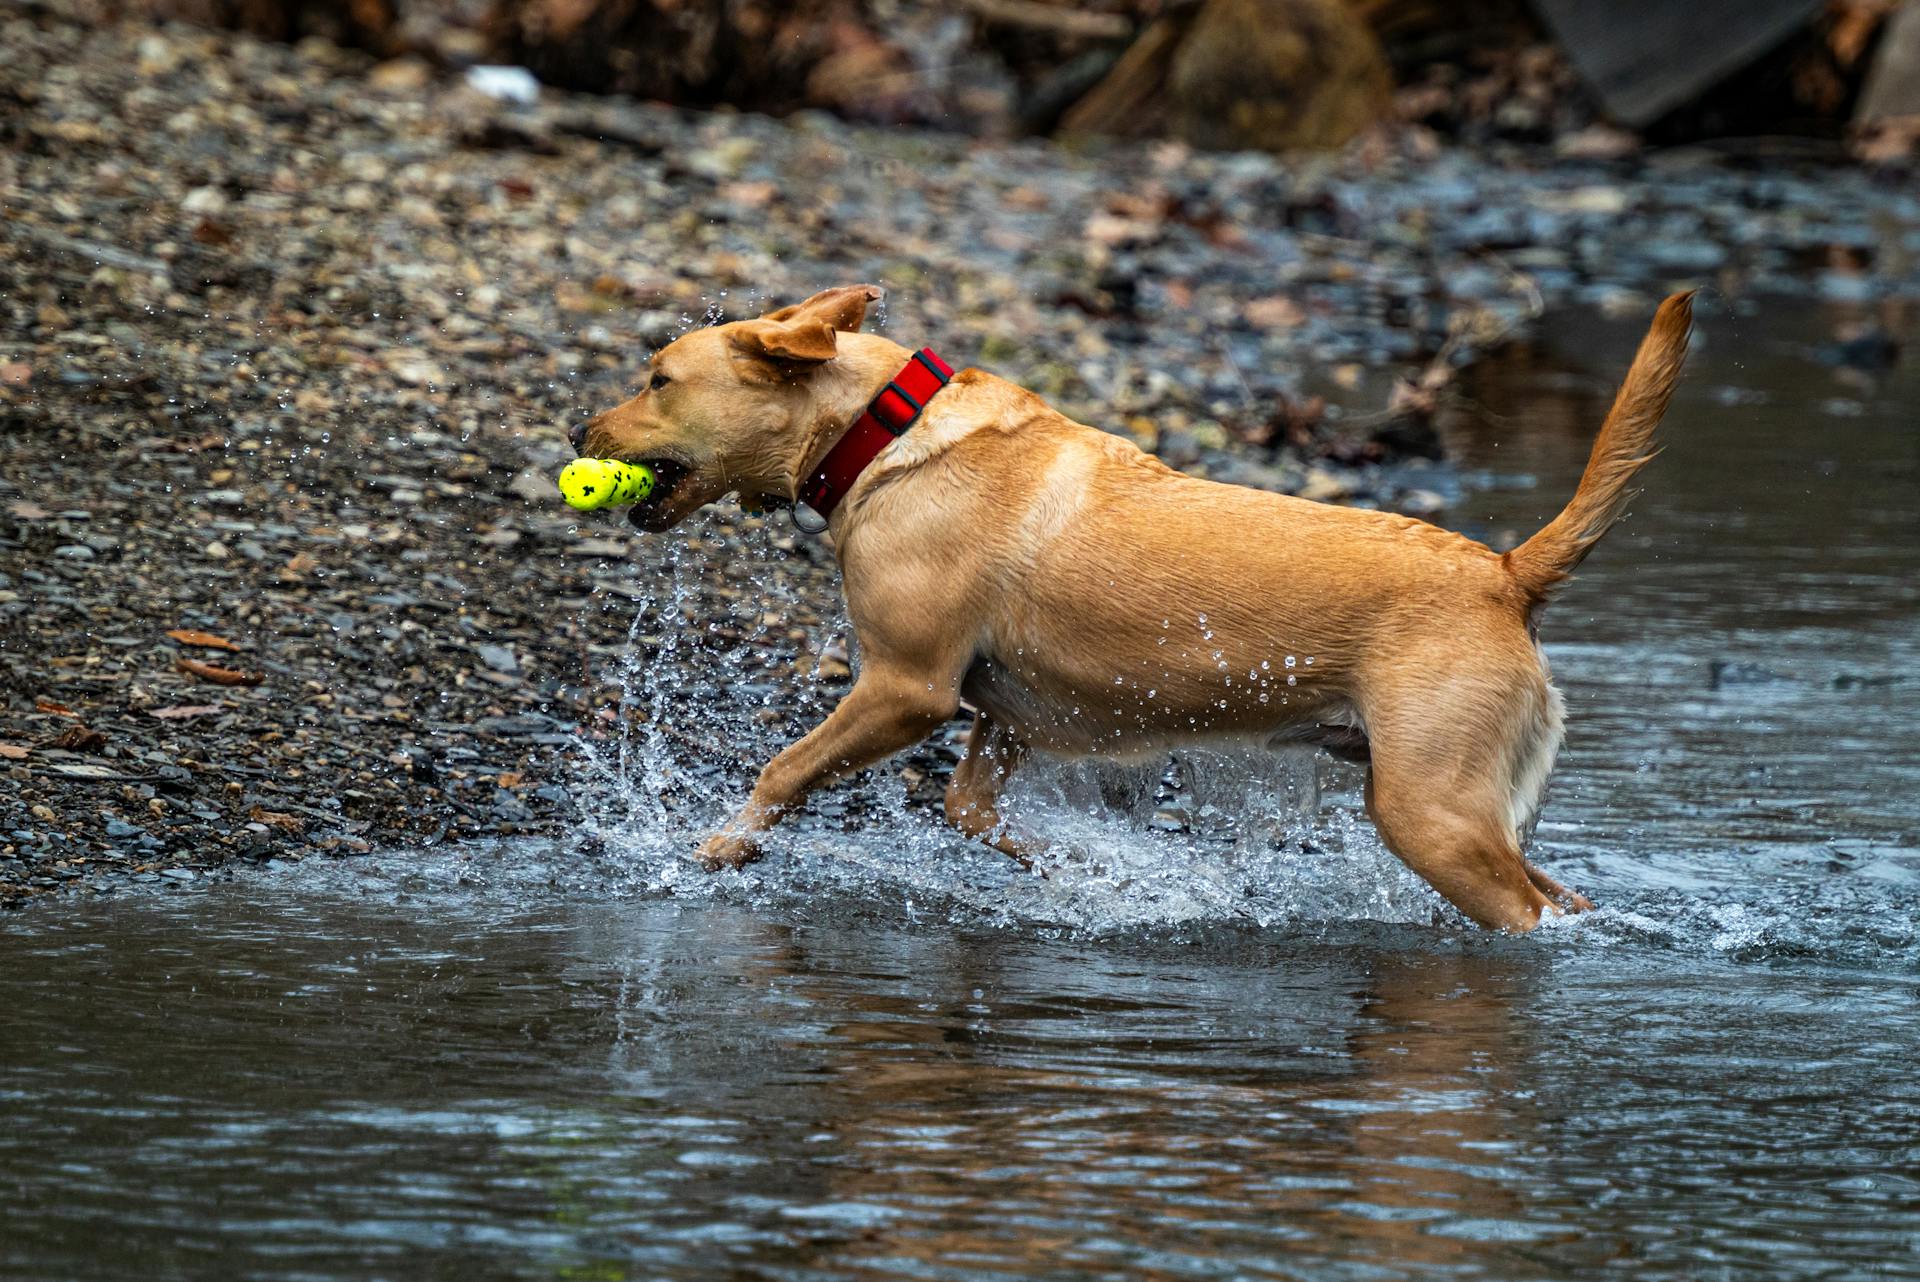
[(507, 84), (1421, 503), (401, 76), (498, 658), (1723, 673), (1596, 142), (509, 807), (1280, 75), (1323, 486), (533, 485), (204, 200)]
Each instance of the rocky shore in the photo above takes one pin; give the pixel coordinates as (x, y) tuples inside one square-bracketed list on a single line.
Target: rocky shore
[(289, 340)]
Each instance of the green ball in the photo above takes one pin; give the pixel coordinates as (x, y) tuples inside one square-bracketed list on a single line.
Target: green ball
[(590, 483)]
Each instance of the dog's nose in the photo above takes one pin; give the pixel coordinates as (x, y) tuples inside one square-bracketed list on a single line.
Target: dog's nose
[(577, 436)]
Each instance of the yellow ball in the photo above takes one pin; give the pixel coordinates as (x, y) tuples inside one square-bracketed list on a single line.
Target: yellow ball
[(589, 483)]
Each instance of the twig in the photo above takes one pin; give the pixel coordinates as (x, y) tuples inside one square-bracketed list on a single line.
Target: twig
[(1246, 388), (99, 253), (1056, 18)]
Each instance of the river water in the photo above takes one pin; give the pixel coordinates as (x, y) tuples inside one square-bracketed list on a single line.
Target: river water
[(1264, 1054)]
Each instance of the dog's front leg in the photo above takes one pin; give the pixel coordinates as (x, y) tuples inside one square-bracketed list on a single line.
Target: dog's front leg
[(888, 709)]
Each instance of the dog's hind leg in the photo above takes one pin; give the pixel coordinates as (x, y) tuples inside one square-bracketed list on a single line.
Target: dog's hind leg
[(1454, 778), (1567, 897), (1459, 843), (993, 753)]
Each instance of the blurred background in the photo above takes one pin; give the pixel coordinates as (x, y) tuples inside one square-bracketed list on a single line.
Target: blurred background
[(1590, 78)]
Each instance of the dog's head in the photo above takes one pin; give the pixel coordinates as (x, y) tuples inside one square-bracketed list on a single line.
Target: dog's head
[(729, 409)]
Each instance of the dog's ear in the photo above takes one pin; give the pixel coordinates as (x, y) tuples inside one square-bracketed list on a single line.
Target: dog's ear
[(844, 308), (786, 344)]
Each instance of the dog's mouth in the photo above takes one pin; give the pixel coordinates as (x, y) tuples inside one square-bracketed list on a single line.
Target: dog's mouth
[(657, 511), (667, 475)]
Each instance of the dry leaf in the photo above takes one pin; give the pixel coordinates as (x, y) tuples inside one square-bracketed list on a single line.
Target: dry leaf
[(1276, 312), (297, 568), (78, 738), (14, 751), (217, 675), (184, 711), (205, 640), (57, 709), (27, 510), (511, 779), (275, 819)]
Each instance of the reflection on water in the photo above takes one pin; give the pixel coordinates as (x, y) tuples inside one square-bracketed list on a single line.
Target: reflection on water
[(324, 1075), (531, 1062)]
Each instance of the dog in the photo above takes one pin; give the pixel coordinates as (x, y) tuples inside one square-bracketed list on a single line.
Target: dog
[(1085, 598)]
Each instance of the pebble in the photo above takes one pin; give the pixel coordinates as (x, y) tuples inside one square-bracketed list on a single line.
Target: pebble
[(499, 658)]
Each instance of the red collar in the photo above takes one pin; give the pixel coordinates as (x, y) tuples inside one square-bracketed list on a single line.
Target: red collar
[(886, 417)]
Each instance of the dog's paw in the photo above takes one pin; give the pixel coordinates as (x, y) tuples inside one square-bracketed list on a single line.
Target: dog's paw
[(1575, 902), (728, 850)]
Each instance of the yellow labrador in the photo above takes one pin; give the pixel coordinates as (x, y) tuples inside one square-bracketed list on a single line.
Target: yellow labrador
[(1088, 599)]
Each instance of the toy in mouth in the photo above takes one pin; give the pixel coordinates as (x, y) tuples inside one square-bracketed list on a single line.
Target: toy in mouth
[(589, 484)]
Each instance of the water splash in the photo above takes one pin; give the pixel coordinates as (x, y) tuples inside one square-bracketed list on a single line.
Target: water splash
[(714, 684)]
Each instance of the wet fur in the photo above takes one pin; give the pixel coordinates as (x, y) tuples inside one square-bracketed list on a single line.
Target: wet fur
[(1087, 599)]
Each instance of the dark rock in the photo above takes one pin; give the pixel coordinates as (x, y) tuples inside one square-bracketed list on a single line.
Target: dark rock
[(1722, 673)]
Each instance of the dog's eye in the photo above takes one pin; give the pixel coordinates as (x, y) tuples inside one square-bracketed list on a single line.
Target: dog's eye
[(658, 381)]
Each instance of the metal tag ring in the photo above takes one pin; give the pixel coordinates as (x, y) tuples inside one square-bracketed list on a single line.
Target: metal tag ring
[(805, 519)]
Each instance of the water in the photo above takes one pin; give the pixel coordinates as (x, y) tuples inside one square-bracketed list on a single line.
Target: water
[(1252, 1049)]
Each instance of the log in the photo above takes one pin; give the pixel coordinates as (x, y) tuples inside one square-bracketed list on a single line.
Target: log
[(754, 54)]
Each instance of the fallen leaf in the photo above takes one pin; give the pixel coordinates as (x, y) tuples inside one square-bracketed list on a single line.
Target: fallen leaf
[(217, 675), (211, 231), (15, 373), (27, 510), (14, 751), (205, 640), (77, 738), (275, 819), (1276, 312), (184, 711), (57, 709), (297, 568), (510, 779), (750, 195)]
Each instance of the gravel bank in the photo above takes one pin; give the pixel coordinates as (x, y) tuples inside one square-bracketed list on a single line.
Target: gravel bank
[(288, 342)]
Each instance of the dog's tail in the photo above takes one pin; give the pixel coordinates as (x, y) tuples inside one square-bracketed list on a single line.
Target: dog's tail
[(1625, 445)]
